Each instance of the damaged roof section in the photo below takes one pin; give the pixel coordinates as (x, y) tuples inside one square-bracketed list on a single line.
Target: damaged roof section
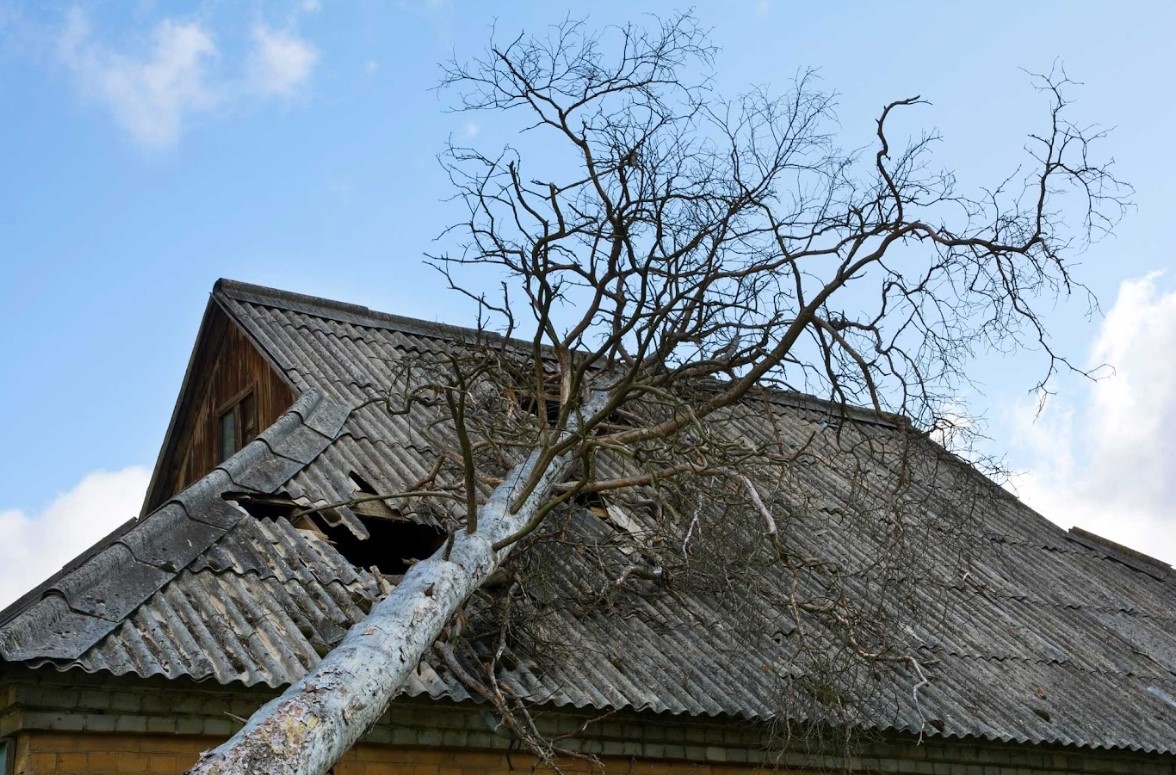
[(85, 601), (247, 576)]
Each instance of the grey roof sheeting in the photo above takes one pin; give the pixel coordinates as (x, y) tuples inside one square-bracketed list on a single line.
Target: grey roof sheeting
[(1064, 640), (83, 603)]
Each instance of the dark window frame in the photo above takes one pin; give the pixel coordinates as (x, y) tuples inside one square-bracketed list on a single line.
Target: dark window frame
[(242, 408)]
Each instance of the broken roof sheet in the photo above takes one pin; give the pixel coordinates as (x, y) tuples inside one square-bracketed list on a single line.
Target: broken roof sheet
[(1045, 639)]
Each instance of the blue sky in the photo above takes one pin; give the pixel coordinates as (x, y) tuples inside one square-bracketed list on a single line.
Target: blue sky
[(149, 148)]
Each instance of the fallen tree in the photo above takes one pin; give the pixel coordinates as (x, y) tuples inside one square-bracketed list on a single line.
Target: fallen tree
[(680, 254)]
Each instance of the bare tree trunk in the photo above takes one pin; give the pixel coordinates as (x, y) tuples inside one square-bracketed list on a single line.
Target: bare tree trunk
[(317, 719)]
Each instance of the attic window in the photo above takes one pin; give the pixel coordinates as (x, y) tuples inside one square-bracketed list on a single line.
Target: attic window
[(236, 424)]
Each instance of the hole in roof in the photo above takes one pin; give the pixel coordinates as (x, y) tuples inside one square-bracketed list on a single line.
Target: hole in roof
[(547, 408), (550, 413), (367, 503), (385, 540), (360, 483), (622, 417), (278, 505), (613, 515), (392, 545), (592, 501)]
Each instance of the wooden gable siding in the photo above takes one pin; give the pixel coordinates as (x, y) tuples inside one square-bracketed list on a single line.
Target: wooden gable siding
[(226, 365)]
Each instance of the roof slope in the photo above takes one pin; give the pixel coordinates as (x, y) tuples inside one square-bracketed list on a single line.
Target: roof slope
[(1046, 638)]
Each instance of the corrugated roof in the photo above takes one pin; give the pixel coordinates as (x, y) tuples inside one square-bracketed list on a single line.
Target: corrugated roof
[(1044, 638)]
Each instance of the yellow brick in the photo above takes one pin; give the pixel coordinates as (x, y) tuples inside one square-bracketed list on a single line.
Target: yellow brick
[(53, 742), (168, 765), (475, 759), (71, 762), (372, 754), (37, 763), (132, 762), (100, 754), (102, 761), (123, 743)]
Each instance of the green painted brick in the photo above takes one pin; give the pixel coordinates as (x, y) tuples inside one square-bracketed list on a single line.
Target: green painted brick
[(93, 698), (98, 722), (402, 736), (161, 724), (189, 726), (220, 727)]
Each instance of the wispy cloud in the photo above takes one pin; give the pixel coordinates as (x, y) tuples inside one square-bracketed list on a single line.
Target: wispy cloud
[(150, 95), (280, 63), (1107, 461), (153, 92), (34, 546)]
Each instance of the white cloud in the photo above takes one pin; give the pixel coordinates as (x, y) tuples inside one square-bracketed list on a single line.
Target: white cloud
[(280, 63), (34, 546), (150, 95), (470, 131), (1107, 462), (154, 92)]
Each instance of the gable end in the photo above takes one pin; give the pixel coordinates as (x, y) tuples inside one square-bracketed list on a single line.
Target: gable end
[(225, 370)]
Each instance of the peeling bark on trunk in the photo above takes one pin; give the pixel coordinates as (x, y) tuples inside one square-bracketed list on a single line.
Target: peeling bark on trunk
[(315, 721)]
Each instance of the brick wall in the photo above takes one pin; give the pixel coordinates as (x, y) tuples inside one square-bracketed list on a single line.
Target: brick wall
[(71, 753), (80, 723), (59, 754)]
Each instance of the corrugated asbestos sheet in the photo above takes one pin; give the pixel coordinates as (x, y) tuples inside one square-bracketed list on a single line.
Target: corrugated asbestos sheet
[(1043, 639)]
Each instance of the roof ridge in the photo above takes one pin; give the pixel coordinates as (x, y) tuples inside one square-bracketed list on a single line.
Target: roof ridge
[(1125, 555), (358, 314), (344, 311)]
